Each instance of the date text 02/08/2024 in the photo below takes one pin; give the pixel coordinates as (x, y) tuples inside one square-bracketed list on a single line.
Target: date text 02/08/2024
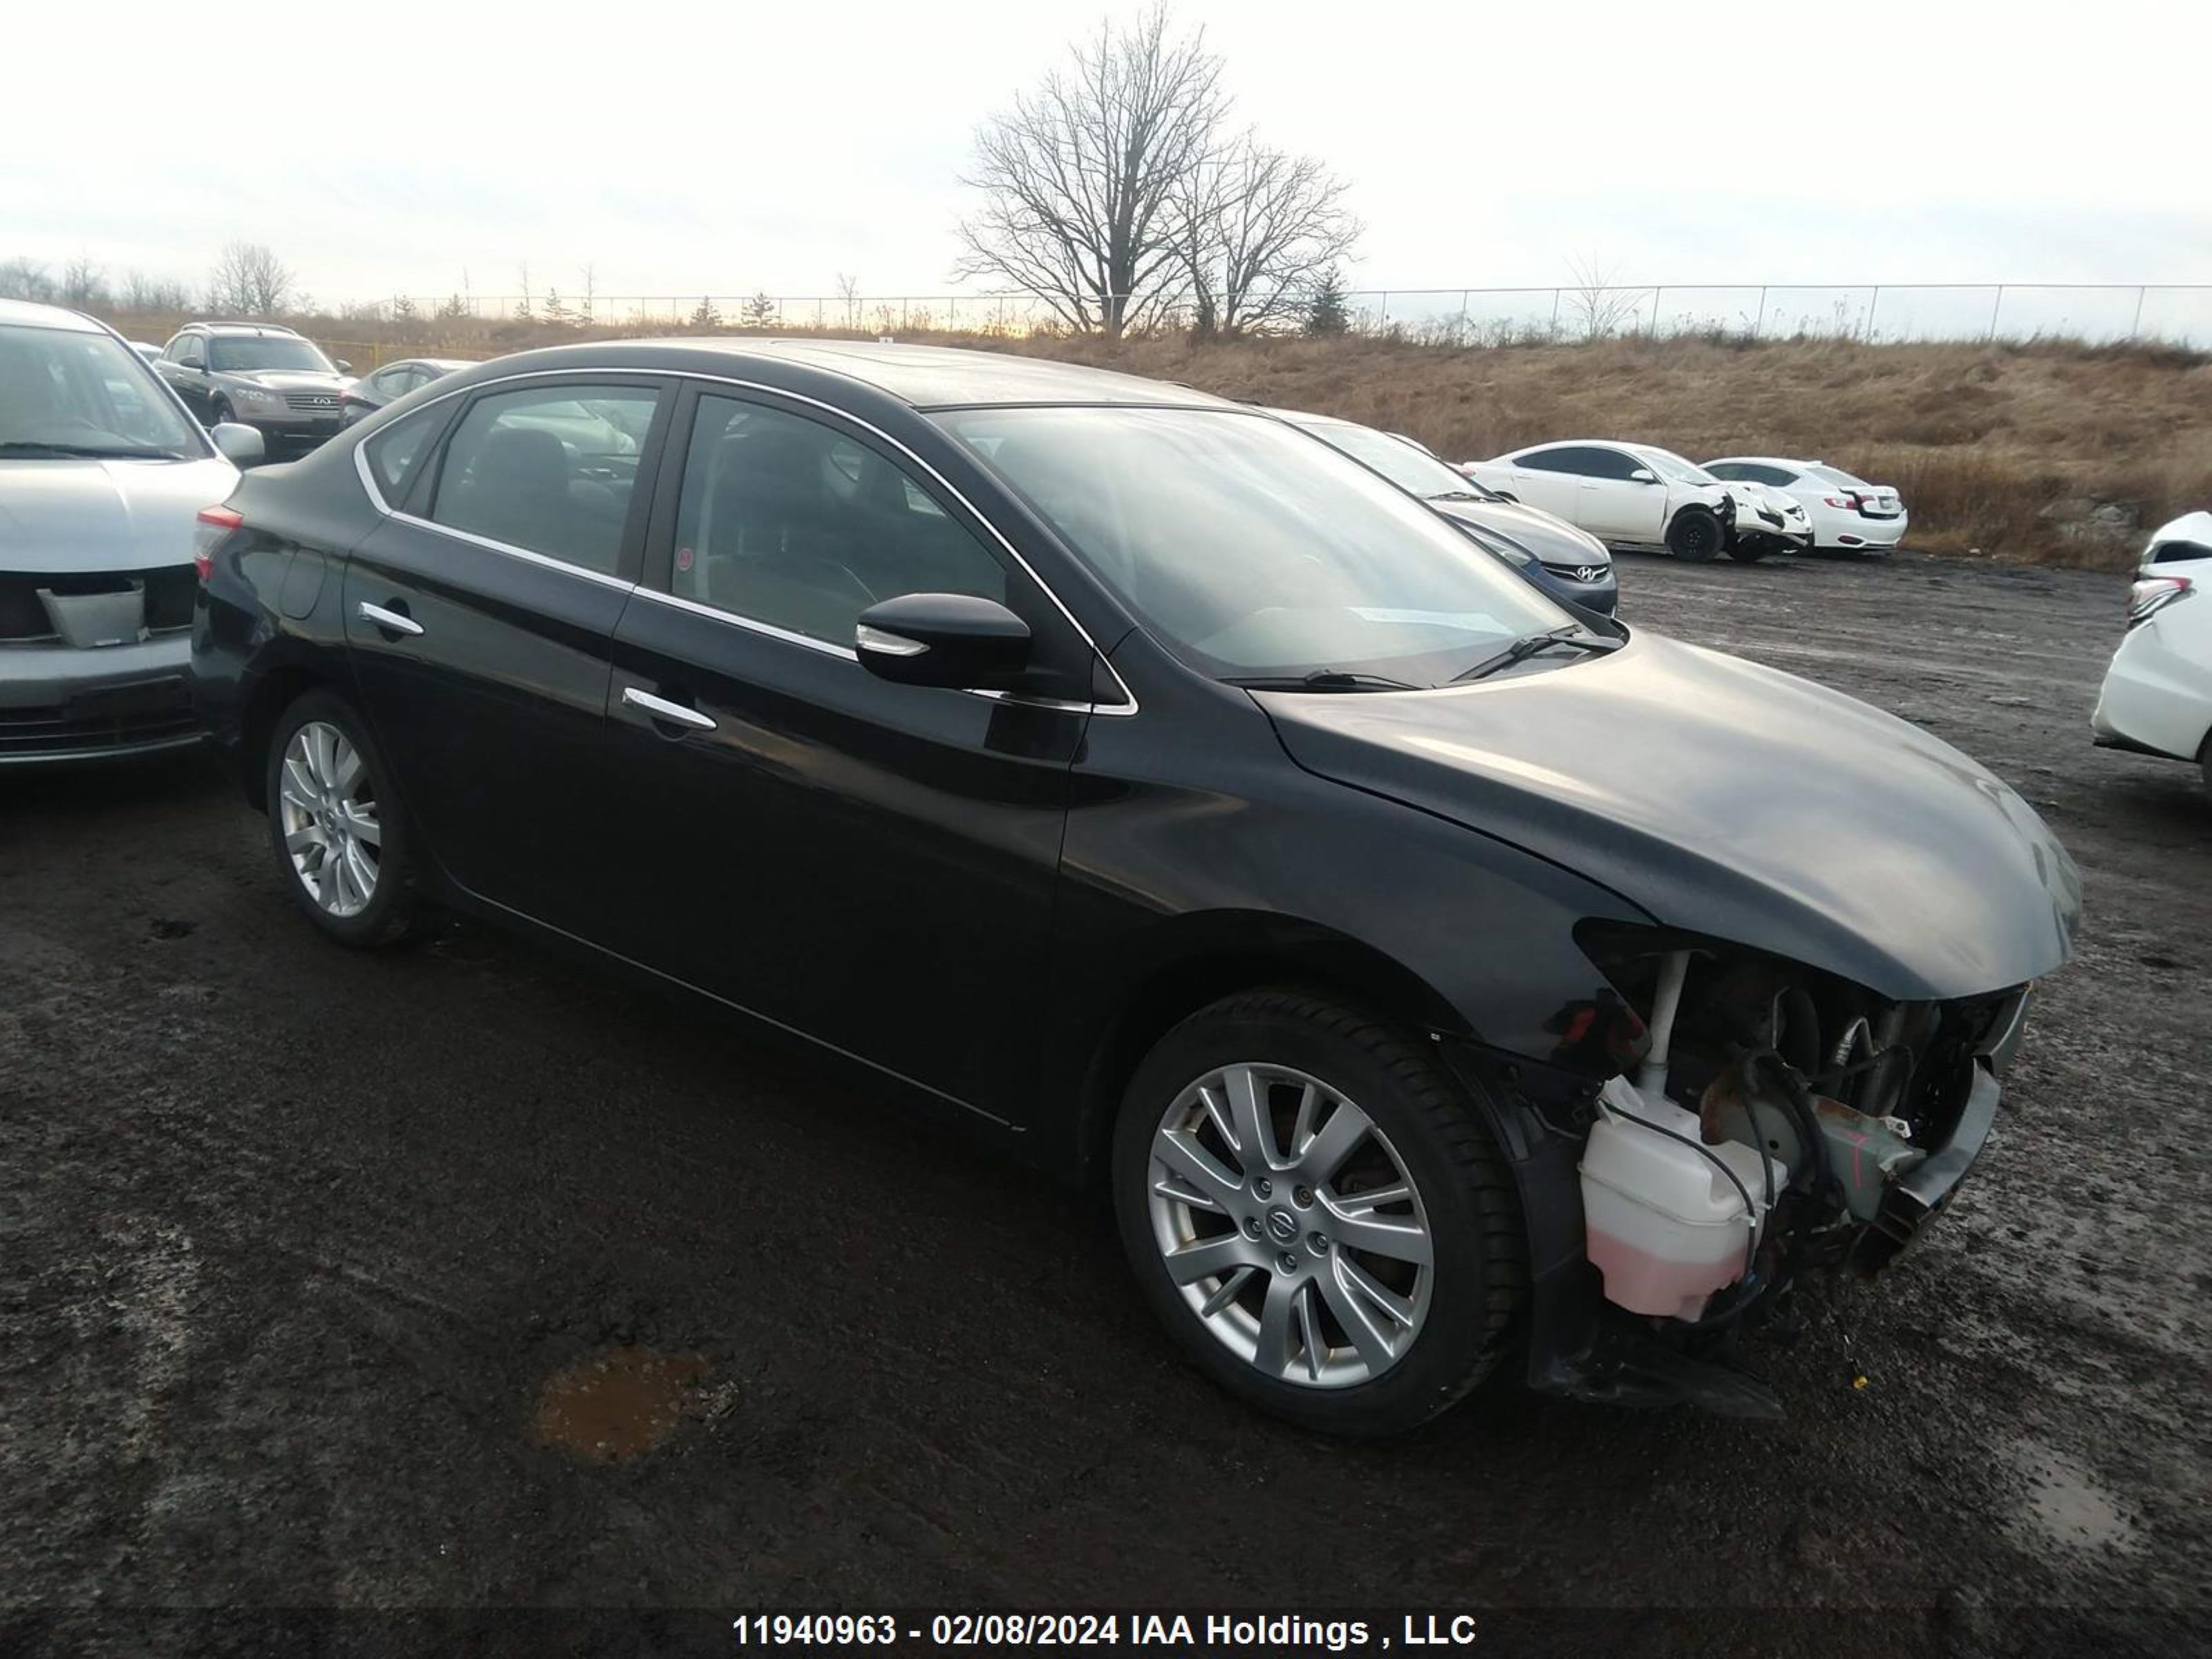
[(1206, 1632)]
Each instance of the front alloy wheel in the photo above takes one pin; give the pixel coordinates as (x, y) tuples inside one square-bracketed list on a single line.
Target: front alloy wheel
[(1290, 1227), (1314, 1204)]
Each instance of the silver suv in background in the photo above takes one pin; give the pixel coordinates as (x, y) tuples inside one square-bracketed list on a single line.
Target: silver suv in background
[(260, 374), (102, 475)]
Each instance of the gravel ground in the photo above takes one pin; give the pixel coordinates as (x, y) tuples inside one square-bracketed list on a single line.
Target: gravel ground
[(292, 1239)]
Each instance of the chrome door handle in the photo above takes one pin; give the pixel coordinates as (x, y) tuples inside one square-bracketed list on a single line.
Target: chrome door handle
[(397, 621), (661, 709)]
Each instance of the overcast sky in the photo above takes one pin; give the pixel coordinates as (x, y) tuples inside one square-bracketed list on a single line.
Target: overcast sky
[(395, 147)]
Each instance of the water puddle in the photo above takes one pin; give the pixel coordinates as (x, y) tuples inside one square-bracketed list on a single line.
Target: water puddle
[(618, 1402), (2068, 1507)]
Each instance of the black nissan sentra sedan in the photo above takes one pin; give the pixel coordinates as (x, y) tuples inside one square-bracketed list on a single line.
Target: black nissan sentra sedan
[(1437, 978)]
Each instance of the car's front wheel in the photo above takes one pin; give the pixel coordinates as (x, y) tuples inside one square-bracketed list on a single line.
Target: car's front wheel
[(341, 840), (1313, 1207), (1695, 534)]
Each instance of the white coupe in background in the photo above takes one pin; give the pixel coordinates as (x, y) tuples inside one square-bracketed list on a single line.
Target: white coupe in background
[(1638, 495), (2157, 698), (1848, 514)]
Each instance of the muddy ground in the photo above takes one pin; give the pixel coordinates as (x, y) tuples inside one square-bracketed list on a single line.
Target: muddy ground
[(301, 1250)]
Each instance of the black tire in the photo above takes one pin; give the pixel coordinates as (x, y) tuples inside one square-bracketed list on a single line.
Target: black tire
[(1749, 550), (2204, 760), (1695, 535), (1480, 1268), (395, 907), (219, 411)]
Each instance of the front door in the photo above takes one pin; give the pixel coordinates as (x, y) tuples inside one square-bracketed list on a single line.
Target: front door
[(480, 618), (1616, 505), (184, 366), (870, 864)]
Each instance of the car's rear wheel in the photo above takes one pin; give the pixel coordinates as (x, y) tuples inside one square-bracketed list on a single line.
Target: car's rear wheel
[(1695, 535), (1313, 1207), (341, 842)]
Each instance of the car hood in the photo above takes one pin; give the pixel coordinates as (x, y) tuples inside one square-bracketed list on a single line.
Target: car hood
[(61, 515), (1728, 799), (288, 380), (1551, 540)]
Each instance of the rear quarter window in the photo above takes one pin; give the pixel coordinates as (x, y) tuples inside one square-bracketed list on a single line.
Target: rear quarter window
[(396, 454)]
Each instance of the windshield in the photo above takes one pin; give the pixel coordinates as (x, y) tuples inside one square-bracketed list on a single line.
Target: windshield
[(1394, 457), (81, 393), (1252, 551), (1837, 476), (250, 352), (1669, 465)]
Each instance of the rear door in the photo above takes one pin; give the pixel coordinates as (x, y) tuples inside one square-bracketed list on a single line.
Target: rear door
[(480, 613), (871, 865), (1546, 478)]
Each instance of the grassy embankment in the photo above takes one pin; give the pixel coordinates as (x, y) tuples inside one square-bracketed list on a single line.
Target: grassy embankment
[(2000, 449)]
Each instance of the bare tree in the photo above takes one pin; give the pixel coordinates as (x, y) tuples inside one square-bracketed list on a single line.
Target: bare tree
[(1079, 179), (83, 282), (591, 295), (140, 292), (249, 280), (849, 290), (1259, 227), (26, 279), (1598, 303)]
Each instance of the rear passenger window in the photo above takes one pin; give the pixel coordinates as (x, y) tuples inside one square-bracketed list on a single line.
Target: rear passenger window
[(786, 521), (551, 471)]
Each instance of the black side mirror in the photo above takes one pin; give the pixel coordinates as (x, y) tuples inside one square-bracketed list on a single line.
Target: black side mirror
[(953, 639)]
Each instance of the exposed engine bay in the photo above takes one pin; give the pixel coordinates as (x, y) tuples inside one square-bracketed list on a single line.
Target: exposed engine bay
[(1763, 1121)]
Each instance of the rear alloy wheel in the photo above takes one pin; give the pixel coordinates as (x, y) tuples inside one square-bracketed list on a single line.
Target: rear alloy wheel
[(1695, 535), (335, 825), (1312, 1205)]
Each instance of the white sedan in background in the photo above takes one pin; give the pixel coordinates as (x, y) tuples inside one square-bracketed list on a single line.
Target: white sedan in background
[(1638, 495), (2157, 697), (1848, 514)]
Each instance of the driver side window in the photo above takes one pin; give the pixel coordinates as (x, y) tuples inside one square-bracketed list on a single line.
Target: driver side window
[(788, 522)]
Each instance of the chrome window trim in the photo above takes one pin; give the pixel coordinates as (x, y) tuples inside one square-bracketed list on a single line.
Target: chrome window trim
[(376, 499), (750, 624)]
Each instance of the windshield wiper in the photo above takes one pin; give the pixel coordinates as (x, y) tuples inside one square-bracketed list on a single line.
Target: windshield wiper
[(1458, 496), (1529, 644), (1324, 679), (78, 451)]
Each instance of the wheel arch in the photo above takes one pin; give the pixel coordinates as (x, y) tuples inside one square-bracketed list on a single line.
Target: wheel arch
[(277, 689), (1205, 958)]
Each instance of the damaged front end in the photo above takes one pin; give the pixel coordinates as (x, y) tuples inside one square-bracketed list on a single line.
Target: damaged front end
[(1717, 1127)]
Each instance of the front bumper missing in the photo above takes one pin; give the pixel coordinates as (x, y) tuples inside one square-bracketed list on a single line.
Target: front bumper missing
[(1583, 1346)]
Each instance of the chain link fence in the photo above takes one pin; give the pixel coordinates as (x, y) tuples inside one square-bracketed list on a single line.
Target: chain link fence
[(2179, 314)]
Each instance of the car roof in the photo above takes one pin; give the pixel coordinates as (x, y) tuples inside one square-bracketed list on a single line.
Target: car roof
[(25, 313), (924, 376), (239, 328), (1758, 460)]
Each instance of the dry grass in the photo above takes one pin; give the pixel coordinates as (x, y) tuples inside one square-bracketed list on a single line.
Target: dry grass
[(1998, 448)]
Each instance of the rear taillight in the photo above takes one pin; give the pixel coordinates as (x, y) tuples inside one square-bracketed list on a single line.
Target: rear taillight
[(1848, 503), (2152, 594), (214, 523)]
